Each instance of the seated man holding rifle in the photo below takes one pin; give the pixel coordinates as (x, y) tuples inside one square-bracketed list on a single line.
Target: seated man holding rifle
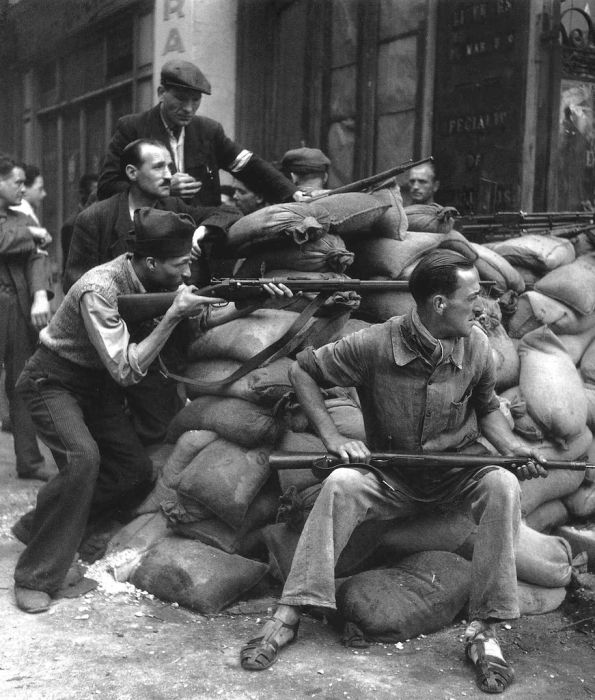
[(70, 386), (426, 383)]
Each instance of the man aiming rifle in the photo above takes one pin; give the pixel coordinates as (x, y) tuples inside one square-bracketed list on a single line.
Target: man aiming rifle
[(426, 384)]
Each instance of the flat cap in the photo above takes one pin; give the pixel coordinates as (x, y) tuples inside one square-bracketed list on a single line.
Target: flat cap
[(178, 73), (305, 160), (163, 234)]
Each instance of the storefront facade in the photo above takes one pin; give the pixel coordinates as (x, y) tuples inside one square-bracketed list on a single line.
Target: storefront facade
[(500, 92)]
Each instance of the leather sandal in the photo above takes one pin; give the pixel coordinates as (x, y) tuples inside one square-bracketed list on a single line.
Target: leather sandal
[(492, 673), (261, 653)]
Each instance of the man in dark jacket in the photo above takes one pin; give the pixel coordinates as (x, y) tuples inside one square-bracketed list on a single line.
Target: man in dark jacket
[(105, 230), (198, 146)]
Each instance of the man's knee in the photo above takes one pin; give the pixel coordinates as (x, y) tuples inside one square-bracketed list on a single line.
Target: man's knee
[(502, 485), (346, 480)]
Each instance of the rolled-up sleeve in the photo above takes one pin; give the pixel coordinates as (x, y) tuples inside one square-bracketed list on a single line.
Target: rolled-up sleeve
[(111, 338)]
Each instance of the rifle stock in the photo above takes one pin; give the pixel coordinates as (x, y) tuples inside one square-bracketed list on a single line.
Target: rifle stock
[(326, 462), (136, 308)]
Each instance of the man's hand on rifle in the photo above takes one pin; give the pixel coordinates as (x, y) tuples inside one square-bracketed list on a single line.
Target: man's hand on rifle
[(187, 303), (277, 290), (347, 449), (531, 465)]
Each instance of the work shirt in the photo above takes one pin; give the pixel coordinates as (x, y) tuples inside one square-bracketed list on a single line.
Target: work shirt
[(415, 397)]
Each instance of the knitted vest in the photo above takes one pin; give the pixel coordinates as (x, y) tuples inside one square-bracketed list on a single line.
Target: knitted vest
[(66, 334)]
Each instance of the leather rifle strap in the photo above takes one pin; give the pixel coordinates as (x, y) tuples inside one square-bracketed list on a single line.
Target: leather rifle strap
[(286, 343)]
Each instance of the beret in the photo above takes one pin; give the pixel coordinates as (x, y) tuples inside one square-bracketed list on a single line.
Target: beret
[(162, 234), (307, 159), (178, 73)]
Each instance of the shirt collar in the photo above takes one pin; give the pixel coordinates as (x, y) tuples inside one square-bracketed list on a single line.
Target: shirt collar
[(171, 131), (411, 340)]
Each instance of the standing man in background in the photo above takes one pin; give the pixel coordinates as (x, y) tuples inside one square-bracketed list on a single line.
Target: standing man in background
[(24, 309), (198, 146), (307, 168)]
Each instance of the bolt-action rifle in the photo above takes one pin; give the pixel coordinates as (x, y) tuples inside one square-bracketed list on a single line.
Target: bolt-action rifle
[(382, 464), (136, 308), (378, 178)]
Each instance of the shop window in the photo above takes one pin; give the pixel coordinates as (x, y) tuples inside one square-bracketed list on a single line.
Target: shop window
[(120, 47)]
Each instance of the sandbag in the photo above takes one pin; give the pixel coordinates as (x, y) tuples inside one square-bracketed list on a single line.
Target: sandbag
[(127, 547), (524, 424), (152, 503), (216, 533), (551, 385), (158, 454), (445, 531), (544, 560), (352, 213), (577, 343), (587, 364), (343, 408), (492, 266), (590, 394), (327, 253), (240, 421), (529, 276), (264, 385), (195, 575), (505, 356), (296, 221), (581, 503), (379, 307), (535, 251), (432, 218), (423, 594), (538, 600), (581, 538), (559, 482), (548, 516), (535, 310), (572, 284), (225, 478), (393, 222), (387, 258), (243, 338), (188, 445)]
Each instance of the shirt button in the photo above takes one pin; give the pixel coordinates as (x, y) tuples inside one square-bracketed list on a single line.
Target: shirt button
[(430, 382), (428, 413)]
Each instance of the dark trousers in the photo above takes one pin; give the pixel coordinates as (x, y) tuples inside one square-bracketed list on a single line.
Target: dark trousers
[(79, 414), (17, 343)]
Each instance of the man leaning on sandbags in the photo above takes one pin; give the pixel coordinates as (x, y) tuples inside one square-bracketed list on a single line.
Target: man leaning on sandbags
[(426, 384)]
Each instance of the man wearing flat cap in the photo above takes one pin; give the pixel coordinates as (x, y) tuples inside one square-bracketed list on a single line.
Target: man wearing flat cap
[(307, 168), (71, 386), (199, 147)]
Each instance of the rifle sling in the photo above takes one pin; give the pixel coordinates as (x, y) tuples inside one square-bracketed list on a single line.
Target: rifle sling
[(286, 343)]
